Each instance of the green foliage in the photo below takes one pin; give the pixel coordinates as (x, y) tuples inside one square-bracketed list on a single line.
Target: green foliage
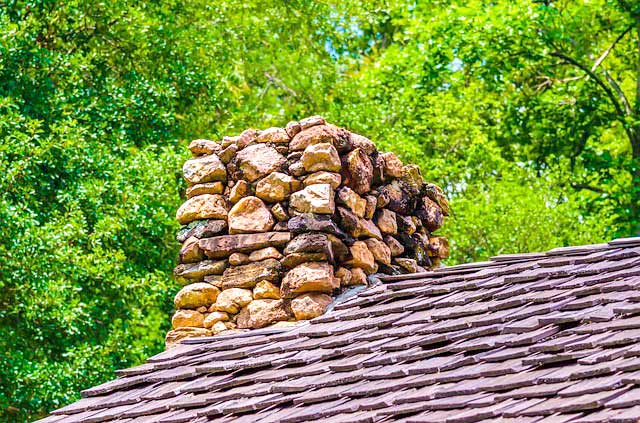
[(98, 100)]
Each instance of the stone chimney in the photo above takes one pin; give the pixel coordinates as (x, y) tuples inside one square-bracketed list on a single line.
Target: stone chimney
[(277, 222)]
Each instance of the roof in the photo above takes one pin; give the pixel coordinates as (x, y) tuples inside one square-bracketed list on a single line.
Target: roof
[(550, 337)]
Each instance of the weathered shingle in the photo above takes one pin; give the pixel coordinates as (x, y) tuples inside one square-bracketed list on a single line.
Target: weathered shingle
[(544, 337)]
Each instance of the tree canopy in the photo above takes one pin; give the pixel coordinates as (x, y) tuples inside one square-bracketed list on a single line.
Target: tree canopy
[(526, 112)]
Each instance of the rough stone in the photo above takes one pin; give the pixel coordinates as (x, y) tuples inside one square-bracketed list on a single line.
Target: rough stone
[(395, 198), (357, 171), (293, 128), (310, 121), (215, 280), (275, 187), (228, 153), (394, 245), (344, 275), (413, 178), (206, 206), (260, 313), (279, 212), (204, 169), (191, 251), (313, 135), (197, 271), (233, 299), (236, 259), (206, 188), (361, 257), (201, 229), (265, 253), (240, 190), (308, 306), (266, 290), (187, 318), (363, 143), (215, 317), (386, 221), (296, 169), (322, 177), (352, 200), (310, 243), (317, 198), (292, 260), (405, 224), (319, 157), (308, 277), (436, 193), (438, 247), (310, 222), (410, 265), (381, 252), (357, 226), (258, 160), (430, 214), (340, 249), (174, 337), (393, 167), (247, 275), (370, 207), (200, 147), (274, 135), (196, 295), (225, 245), (358, 277), (250, 215)]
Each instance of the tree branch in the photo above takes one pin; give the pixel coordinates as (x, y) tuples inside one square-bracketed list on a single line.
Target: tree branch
[(576, 185), (618, 90), (608, 50)]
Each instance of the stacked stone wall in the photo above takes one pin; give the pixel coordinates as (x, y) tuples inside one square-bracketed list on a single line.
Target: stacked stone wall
[(279, 221)]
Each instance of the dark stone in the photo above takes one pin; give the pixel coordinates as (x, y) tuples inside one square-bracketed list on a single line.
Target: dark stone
[(311, 222), (310, 243), (357, 226), (201, 229), (223, 246), (396, 197), (430, 213)]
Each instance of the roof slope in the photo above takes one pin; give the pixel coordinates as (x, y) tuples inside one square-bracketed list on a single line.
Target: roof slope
[(549, 337)]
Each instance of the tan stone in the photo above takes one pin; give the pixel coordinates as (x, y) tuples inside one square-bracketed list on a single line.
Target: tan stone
[(386, 221), (381, 252), (292, 260), (438, 247), (225, 245), (219, 327), (240, 190), (292, 128), (266, 290), (352, 200), (394, 245), (247, 275), (228, 153), (236, 259), (250, 215), (357, 173), (358, 277), (200, 147), (202, 309), (410, 265), (308, 306), (191, 251), (317, 198), (206, 206), (174, 337), (362, 257), (310, 121), (393, 167), (233, 299), (308, 277), (323, 156), (206, 188), (260, 313), (199, 294), (215, 280), (197, 271), (258, 160), (313, 135), (204, 169), (265, 253), (297, 169), (187, 318), (363, 143), (323, 177), (370, 208), (344, 275), (357, 226), (274, 187), (279, 212), (413, 177), (215, 317), (274, 135), (437, 194)]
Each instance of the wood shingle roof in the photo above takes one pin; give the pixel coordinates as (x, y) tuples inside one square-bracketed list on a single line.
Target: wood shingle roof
[(543, 338)]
